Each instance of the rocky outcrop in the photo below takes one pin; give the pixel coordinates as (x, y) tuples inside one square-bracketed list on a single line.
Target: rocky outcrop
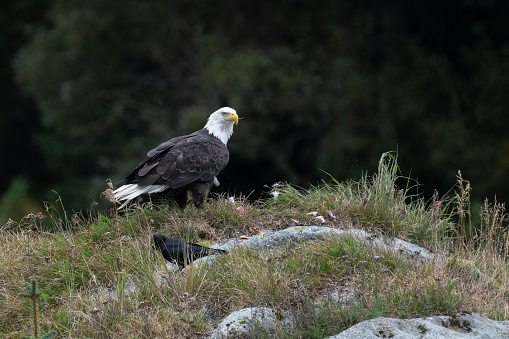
[(246, 322), (271, 240), (461, 326)]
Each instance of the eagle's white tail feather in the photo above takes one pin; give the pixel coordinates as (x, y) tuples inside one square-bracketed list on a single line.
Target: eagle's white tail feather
[(131, 191)]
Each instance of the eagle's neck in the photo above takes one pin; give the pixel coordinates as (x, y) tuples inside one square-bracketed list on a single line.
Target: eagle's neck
[(220, 129)]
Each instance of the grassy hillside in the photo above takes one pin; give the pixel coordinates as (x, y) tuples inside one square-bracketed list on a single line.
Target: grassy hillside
[(78, 261)]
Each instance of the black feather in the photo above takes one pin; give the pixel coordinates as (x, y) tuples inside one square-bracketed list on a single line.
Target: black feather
[(149, 179), (163, 165), (146, 168), (174, 249), (169, 171)]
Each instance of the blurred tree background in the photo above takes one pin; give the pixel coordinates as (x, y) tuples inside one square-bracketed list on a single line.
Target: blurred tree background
[(90, 86)]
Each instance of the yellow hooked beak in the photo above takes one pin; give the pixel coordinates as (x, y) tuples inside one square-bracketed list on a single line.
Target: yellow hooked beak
[(233, 117)]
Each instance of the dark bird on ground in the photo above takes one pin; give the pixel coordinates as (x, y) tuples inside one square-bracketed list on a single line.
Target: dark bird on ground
[(188, 163), (174, 249)]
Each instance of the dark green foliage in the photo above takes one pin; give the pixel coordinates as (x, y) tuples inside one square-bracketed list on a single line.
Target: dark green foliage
[(322, 86), (20, 118), (32, 291)]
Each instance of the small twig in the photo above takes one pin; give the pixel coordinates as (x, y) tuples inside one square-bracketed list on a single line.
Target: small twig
[(32, 294)]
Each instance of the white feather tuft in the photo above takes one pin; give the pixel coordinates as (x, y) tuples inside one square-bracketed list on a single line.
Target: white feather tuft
[(131, 191)]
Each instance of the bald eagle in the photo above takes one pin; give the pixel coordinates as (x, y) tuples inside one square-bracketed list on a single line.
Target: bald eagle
[(186, 163)]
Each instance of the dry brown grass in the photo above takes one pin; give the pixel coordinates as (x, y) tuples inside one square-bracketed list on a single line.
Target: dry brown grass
[(81, 261)]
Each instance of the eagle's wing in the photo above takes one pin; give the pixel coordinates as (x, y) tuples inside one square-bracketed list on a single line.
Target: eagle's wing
[(176, 163)]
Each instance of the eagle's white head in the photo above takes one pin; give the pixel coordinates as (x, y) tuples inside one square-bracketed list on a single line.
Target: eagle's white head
[(220, 123)]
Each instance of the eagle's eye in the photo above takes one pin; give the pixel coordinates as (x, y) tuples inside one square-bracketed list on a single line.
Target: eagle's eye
[(224, 114)]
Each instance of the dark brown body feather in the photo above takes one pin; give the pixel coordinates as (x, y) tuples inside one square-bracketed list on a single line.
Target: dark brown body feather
[(185, 163)]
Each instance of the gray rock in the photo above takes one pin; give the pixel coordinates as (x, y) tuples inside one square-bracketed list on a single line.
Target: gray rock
[(468, 265), (405, 248), (270, 240), (344, 295), (103, 294), (477, 273), (208, 259), (248, 321), (461, 326), (162, 275)]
